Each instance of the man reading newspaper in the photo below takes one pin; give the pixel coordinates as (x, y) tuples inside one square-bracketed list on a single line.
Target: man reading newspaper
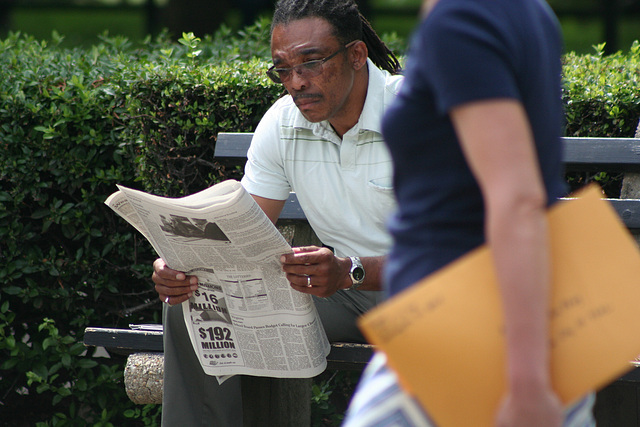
[(322, 141)]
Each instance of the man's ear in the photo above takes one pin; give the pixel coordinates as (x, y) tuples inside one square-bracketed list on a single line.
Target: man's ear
[(359, 54)]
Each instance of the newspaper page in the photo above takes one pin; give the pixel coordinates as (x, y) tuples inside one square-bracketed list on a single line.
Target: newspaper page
[(244, 318)]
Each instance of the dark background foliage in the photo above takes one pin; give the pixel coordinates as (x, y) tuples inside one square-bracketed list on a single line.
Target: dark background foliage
[(74, 122)]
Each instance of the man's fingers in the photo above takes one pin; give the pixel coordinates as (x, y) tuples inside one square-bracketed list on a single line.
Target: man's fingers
[(298, 270), (163, 271), (183, 292), (317, 257), (163, 275), (305, 281), (174, 289), (303, 249), (302, 255), (173, 299), (300, 285)]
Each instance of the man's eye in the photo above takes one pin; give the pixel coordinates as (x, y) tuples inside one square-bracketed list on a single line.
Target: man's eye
[(310, 65)]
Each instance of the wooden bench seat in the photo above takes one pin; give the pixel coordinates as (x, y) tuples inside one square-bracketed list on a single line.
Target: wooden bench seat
[(343, 356)]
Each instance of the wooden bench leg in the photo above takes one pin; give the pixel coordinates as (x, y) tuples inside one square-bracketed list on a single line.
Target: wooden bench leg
[(283, 402)]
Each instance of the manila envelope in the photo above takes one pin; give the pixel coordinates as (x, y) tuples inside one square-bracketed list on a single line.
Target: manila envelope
[(444, 335)]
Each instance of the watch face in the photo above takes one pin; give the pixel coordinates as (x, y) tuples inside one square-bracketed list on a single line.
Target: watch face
[(358, 274)]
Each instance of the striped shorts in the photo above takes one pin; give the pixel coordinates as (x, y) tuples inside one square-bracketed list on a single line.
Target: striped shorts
[(380, 402)]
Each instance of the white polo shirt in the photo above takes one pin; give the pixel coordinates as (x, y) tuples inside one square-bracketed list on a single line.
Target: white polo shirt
[(343, 185)]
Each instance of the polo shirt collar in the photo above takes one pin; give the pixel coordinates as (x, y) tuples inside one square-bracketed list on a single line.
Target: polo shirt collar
[(374, 104)]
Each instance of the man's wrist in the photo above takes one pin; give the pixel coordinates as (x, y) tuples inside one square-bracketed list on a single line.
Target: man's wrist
[(345, 280), (356, 273)]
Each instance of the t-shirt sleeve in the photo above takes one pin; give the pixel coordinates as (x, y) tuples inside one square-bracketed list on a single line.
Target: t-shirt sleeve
[(264, 174), (465, 55)]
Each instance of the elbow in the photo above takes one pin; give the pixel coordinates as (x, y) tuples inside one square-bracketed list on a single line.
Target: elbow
[(519, 204)]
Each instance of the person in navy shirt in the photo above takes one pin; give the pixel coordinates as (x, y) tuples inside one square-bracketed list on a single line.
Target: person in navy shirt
[(474, 135)]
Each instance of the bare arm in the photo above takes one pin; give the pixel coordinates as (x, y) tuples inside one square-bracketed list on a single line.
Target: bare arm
[(327, 273), (498, 144), (271, 207)]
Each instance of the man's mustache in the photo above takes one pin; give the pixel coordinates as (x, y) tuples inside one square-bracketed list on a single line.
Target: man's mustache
[(306, 96)]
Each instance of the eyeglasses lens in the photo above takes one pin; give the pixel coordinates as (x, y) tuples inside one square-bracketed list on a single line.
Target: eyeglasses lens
[(305, 70)]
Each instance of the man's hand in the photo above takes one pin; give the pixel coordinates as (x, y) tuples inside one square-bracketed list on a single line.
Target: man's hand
[(317, 271), (173, 287)]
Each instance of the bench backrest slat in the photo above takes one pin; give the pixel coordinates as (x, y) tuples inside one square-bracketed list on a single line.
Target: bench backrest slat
[(233, 144), (611, 154), (292, 209), (579, 153)]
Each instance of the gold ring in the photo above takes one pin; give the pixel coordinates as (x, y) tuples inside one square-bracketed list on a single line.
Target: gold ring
[(308, 281)]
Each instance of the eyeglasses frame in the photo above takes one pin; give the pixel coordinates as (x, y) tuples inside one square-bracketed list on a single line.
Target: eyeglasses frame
[(272, 72)]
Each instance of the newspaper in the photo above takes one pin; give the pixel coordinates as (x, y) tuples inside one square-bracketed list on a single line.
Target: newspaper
[(244, 318)]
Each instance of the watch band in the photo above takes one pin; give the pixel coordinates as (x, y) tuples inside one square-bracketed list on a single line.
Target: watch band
[(356, 273)]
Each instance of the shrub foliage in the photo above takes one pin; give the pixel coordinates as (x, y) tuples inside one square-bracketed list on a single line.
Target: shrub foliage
[(74, 122), (601, 93)]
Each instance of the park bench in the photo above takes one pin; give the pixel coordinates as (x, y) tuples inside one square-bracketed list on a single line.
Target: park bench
[(268, 400)]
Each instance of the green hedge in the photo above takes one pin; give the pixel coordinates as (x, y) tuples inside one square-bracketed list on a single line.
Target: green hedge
[(602, 93), (75, 122), (175, 113), (61, 254)]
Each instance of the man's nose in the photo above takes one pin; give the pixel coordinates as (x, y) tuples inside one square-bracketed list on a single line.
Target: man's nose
[(298, 79)]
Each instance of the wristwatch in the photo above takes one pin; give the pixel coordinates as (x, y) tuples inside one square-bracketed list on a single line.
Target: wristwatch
[(356, 273)]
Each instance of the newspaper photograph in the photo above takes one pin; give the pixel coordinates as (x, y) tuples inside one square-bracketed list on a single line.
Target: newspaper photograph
[(244, 318)]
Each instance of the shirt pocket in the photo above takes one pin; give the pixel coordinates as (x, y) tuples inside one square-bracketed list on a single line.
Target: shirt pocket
[(383, 200)]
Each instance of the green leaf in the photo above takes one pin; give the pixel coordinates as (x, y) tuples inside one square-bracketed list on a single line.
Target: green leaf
[(48, 342), (12, 290), (10, 342), (9, 364), (40, 213), (87, 363), (41, 371)]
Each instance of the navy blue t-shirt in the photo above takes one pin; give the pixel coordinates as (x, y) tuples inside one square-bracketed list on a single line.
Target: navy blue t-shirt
[(465, 50)]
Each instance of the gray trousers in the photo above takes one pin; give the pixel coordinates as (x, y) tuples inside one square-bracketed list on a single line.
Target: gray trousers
[(192, 398)]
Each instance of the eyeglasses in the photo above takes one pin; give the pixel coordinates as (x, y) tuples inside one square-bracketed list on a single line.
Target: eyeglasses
[(306, 69)]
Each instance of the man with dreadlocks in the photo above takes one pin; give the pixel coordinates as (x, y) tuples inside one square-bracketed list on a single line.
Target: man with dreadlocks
[(322, 141)]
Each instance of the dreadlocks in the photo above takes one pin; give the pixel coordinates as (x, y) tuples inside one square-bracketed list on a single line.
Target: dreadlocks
[(348, 23)]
